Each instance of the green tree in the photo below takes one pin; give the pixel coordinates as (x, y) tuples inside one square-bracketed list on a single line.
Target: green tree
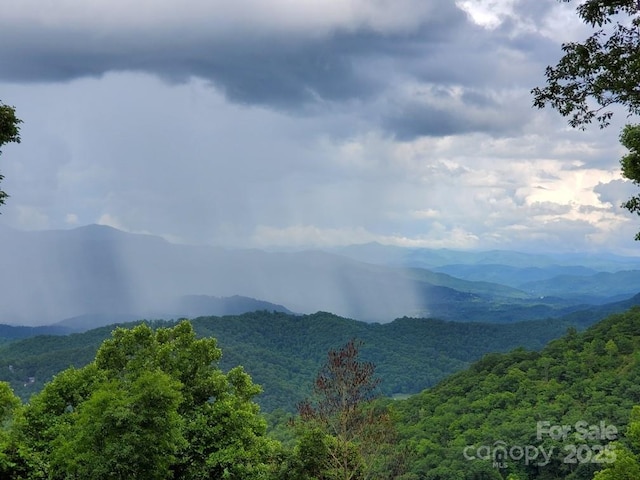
[(48, 414), (602, 71), (630, 139), (598, 73), (152, 405), (9, 406), (9, 133), (624, 461), (123, 430)]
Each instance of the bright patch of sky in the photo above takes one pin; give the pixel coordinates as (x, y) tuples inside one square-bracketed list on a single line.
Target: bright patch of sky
[(488, 13)]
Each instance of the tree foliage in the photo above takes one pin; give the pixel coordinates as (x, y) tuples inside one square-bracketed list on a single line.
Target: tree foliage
[(600, 72), (123, 430), (627, 454), (152, 405), (630, 139), (9, 133), (9, 405), (603, 71), (155, 404), (591, 376), (282, 352)]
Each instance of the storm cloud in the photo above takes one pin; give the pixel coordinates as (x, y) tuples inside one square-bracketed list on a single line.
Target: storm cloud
[(307, 123)]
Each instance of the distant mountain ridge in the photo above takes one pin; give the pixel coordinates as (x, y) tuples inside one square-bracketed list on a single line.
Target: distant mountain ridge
[(94, 270), (435, 258), (589, 278), (199, 305), (600, 284), (100, 272), (188, 306), (13, 332)]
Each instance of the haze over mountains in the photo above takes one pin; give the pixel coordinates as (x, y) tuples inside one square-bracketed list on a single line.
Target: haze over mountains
[(97, 271)]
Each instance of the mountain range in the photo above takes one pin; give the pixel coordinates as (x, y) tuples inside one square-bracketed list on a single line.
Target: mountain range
[(96, 274)]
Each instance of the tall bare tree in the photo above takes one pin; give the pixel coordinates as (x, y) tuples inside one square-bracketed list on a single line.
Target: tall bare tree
[(358, 432)]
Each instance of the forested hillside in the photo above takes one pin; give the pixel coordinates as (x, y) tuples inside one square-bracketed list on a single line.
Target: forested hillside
[(586, 381), (154, 403), (282, 351)]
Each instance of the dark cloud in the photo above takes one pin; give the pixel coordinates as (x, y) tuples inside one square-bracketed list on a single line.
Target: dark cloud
[(415, 122), (396, 127), (279, 68), (441, 112), (295, 71), (616, 192)]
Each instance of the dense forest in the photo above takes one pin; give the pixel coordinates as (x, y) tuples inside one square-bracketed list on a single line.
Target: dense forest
[(282, 351), (155, 401), (591, 377)]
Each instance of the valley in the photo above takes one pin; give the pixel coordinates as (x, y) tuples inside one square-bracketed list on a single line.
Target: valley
[(470, 348)]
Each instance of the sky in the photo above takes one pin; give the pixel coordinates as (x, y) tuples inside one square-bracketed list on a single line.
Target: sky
[(304, 124)]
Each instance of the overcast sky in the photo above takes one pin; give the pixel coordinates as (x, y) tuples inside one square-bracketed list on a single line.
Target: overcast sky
[(259, 123)]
